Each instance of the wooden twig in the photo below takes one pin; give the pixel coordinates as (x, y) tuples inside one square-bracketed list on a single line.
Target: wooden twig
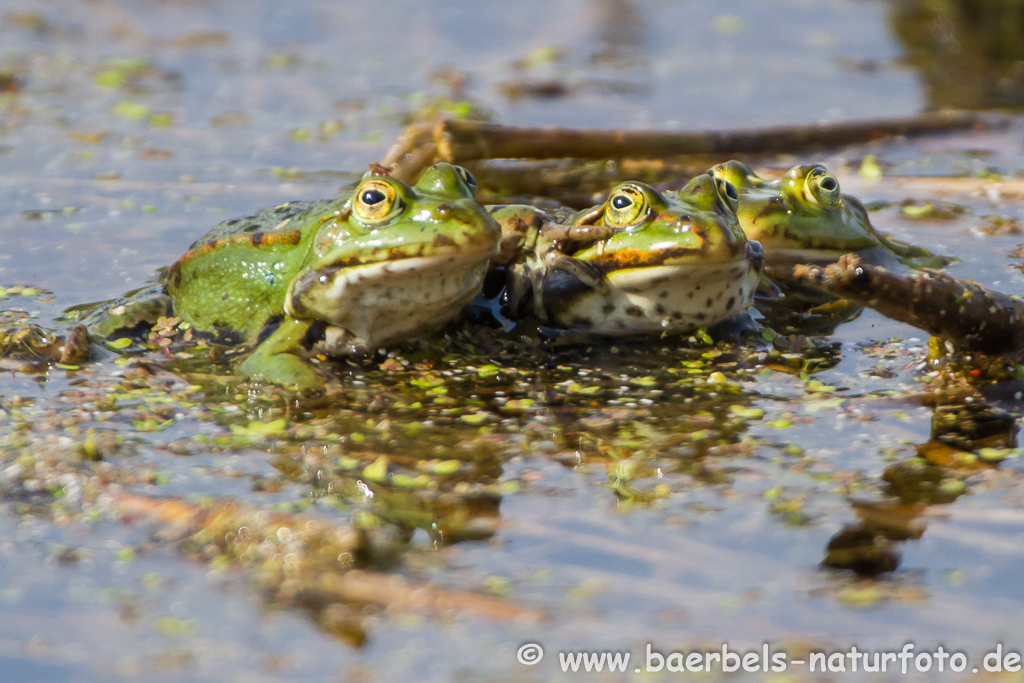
[(968, 315), (316, 578), (459, 141)]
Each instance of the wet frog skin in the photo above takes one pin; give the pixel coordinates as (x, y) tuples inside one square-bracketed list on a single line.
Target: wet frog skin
[(642, 262), (386, 263), (804, 218)]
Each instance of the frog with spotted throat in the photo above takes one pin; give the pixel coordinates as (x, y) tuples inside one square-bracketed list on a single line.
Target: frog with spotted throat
[(641, 262)]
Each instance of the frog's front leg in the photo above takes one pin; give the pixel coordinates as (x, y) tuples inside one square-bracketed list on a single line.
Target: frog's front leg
[(585, 272), (275, 359), (553, 260)]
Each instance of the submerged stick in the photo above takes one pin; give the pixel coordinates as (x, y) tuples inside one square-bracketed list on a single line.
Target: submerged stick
[(303, 561), (459, 141), (968, 315)]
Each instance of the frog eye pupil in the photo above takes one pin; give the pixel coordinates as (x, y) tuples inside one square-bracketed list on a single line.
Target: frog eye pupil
[(371, 197), (467, 178), (828, 183), (621, 201)]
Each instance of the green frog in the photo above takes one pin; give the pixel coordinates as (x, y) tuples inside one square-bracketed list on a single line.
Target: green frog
[(641, 262), (803, 218), (342, 275)]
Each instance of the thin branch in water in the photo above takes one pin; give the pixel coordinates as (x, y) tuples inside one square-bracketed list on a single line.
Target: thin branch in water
[(459, 141)]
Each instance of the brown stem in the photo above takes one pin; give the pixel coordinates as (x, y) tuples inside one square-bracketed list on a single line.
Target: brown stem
[(458, 141), (964, 313), (241, 534)]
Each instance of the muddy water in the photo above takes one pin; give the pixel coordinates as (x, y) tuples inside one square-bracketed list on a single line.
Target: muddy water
[(614, 487)]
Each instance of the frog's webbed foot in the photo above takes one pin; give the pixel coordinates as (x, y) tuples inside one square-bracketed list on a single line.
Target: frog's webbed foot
[(275, 359), (913, 256), (587, 273), (76, 345)]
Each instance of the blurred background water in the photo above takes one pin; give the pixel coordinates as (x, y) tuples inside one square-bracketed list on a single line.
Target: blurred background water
[(128, 128)]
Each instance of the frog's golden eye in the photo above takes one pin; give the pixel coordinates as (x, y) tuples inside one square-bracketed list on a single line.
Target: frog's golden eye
[(823, 188), (468, 179), (625, 207), (727, 195), (376, 200)]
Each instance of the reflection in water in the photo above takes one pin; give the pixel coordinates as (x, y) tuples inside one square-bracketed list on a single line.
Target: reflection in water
[(620, 29), (869, 547), (970, 52)]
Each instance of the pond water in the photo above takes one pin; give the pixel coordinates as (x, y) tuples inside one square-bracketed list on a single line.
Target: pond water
[(617, 489)]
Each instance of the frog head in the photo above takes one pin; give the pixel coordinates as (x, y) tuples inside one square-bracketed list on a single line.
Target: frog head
[(396, 259), (802, 218), (697, 225)]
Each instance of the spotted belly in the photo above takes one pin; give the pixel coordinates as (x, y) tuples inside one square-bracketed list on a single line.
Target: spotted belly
[(653, 300)]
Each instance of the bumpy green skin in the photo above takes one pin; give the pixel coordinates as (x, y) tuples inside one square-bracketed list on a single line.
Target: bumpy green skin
[(680, 263), (266, 279)]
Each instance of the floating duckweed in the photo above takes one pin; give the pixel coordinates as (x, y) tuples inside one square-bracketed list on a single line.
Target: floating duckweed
[(427, 382), (347, 463), (870, 169), (952, 487), (815, 385), (779, 423), (161, 119), (497, 585), (256, 430), (475, 418), (407, 481), (487, 371), (747, 413), (377, 470), (446, 467), (151, 425), (120, 343), (860, 595), (998, 454), (133, 111), (175, 628)]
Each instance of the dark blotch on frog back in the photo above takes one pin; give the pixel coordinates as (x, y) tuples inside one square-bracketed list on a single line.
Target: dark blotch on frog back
[(265, 221)]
